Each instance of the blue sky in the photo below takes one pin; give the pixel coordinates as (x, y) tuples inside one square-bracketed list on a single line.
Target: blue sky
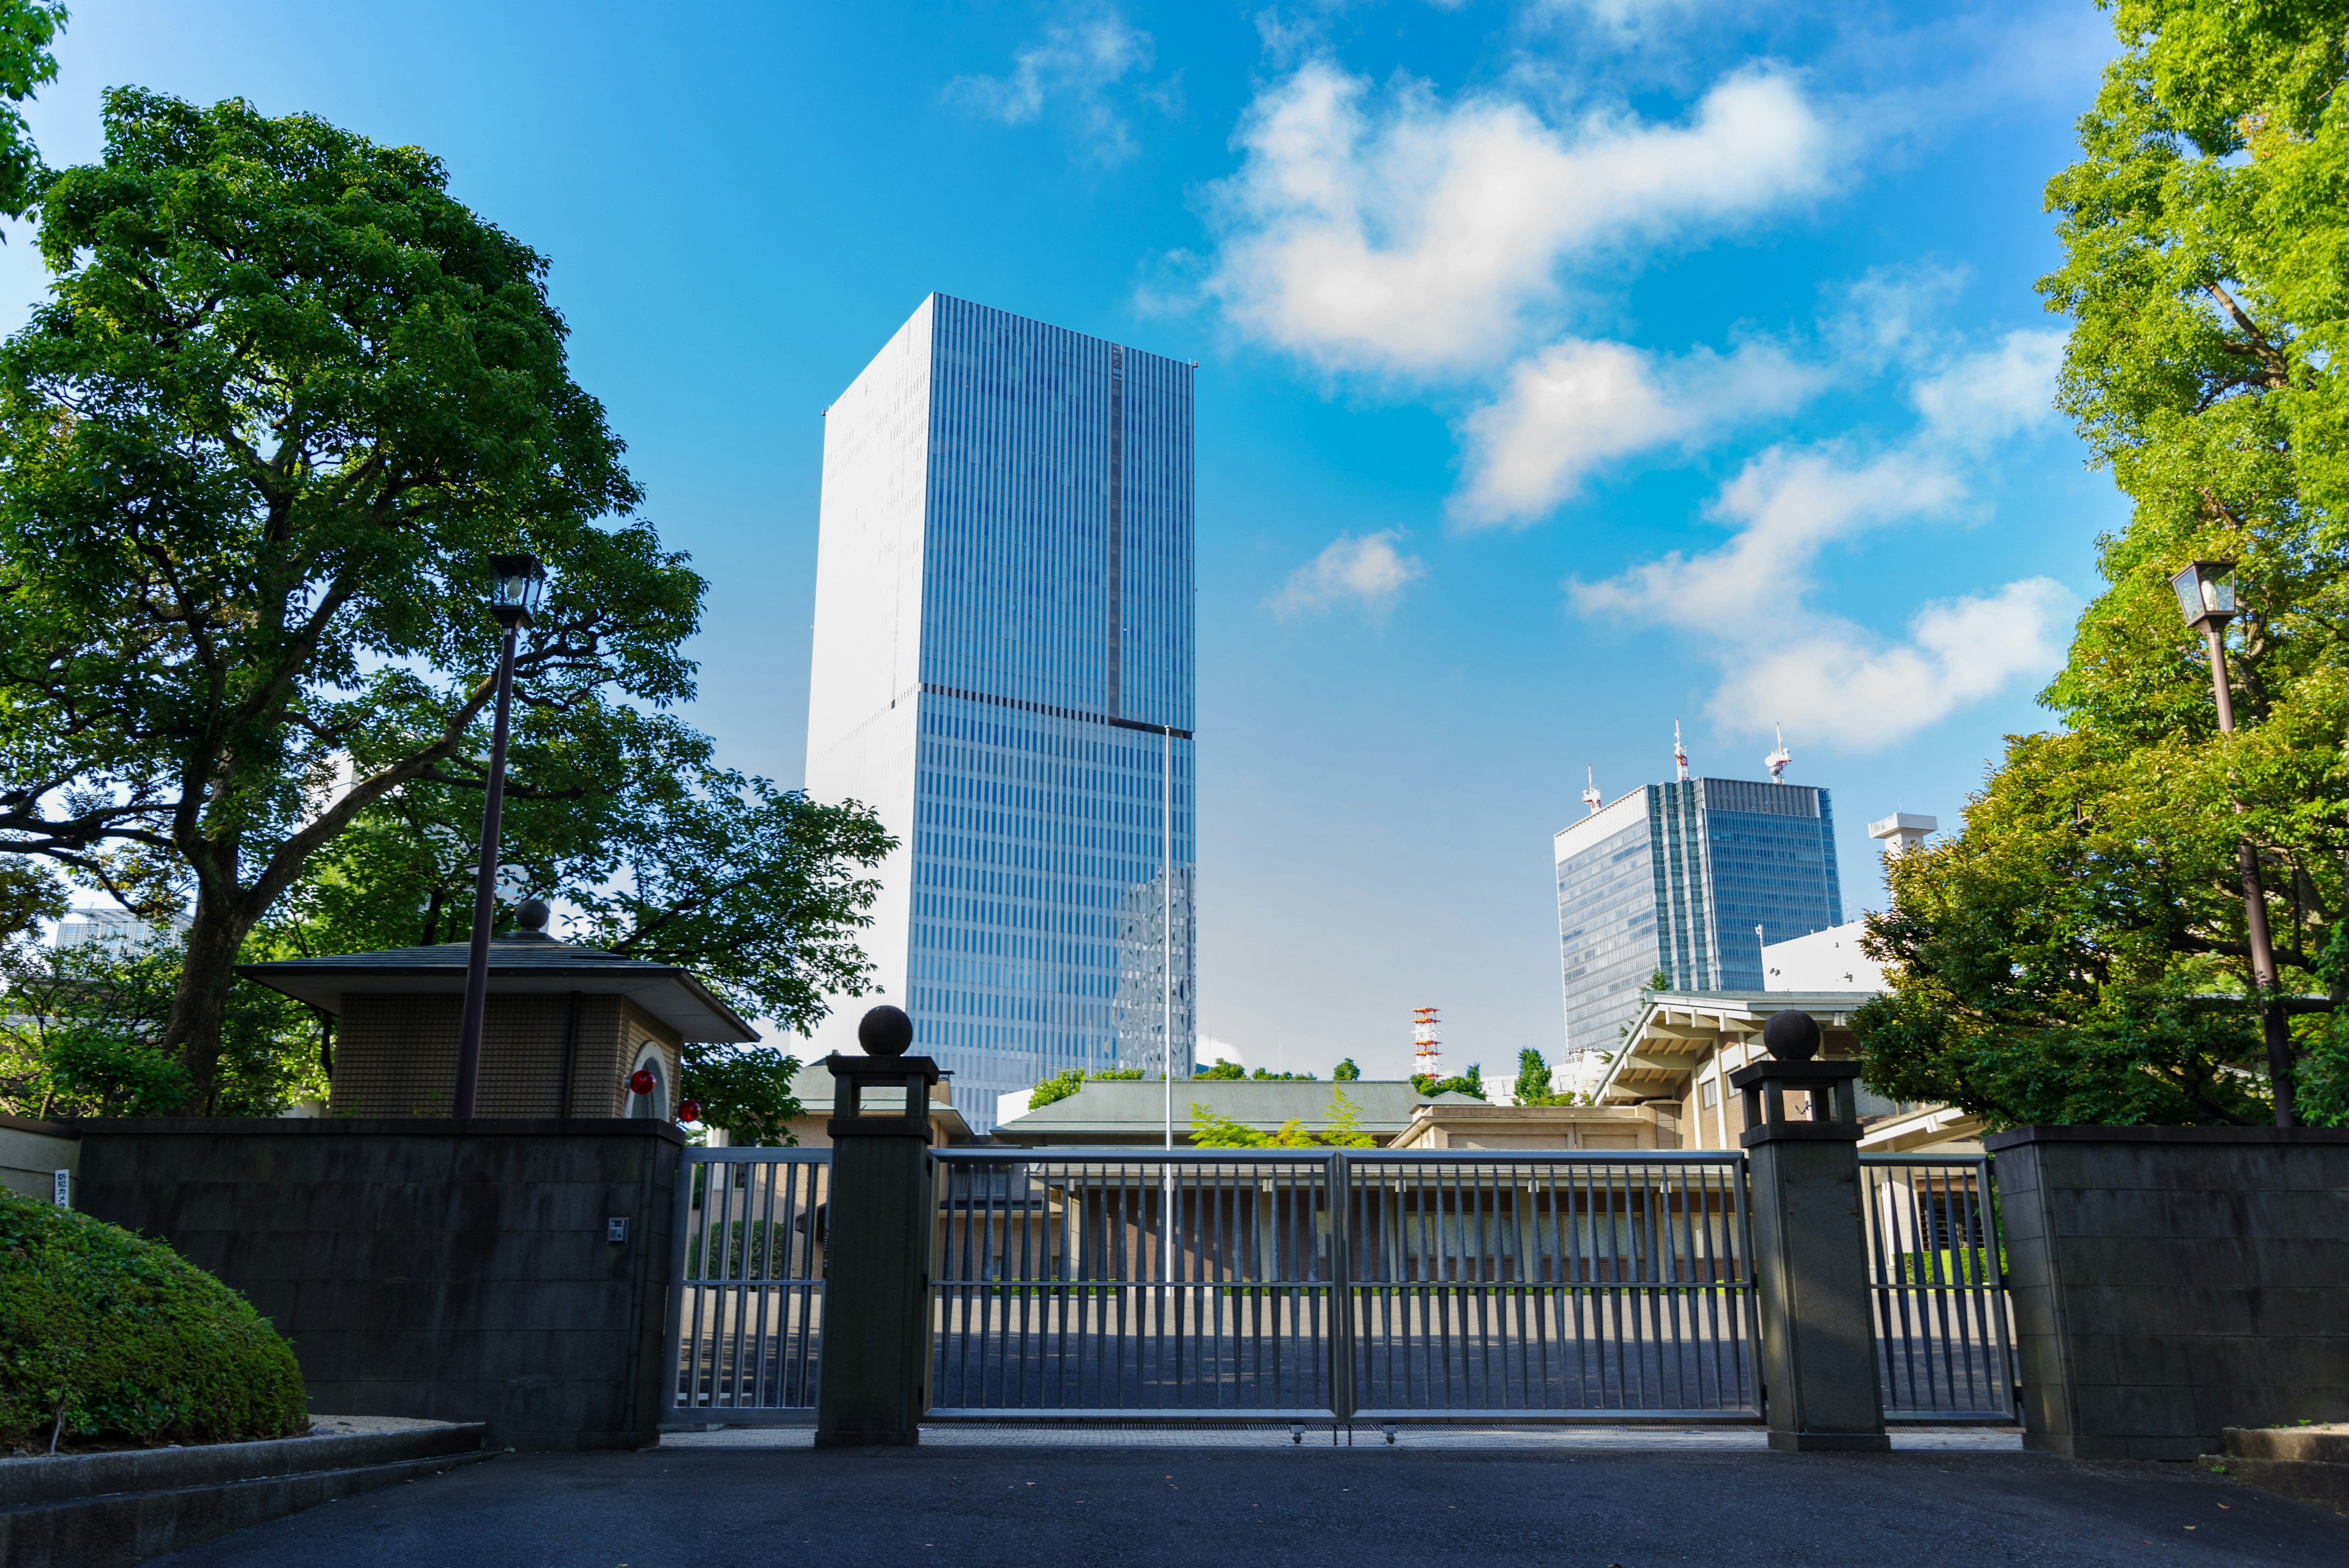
[(1568, 366)]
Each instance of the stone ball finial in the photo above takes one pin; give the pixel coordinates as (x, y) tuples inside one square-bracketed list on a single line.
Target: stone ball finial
[(886, 1031), (531, 916), (1791, 1035)]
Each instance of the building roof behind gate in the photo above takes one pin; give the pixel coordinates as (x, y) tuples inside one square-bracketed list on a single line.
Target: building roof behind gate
[(1126, 1113)]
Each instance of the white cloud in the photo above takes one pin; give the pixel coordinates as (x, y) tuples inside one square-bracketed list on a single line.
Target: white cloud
[(1566, 412), (1781, 660), (1626, 20), (1888, 316), (1788, 505), (1413, 236), (1369, 571), (1214, 1050), (1991, 396), (1851, 688), (1577, 404), (1078, 61)]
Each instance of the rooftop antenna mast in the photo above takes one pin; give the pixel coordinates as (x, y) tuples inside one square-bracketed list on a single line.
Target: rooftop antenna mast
[(1680, 753), (1776, 760), (1426, 1050), (1590, 796)]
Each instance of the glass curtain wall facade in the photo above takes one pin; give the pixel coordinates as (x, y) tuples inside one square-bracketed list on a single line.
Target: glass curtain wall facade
[(1029, 579), (1675, 878)]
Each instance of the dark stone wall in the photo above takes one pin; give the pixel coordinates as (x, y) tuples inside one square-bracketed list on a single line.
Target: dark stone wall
[(454, 1271), (2170, 1281)]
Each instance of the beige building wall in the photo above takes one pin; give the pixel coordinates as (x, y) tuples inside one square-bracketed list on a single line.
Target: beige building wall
[(396, 1055), (814, 1092), (31, 1156), (1592, 1128)]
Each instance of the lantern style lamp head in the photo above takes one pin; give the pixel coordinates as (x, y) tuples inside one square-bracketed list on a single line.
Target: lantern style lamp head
[(521, 582), (2206, 594)]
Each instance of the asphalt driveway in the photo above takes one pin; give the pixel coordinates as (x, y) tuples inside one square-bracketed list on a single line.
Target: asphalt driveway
[(1348, 1508)]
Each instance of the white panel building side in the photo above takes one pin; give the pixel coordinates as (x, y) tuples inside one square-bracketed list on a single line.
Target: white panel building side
[(866, 674), (1824, 960)]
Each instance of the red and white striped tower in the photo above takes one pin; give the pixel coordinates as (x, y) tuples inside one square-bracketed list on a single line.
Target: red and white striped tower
[(1426, 1050)]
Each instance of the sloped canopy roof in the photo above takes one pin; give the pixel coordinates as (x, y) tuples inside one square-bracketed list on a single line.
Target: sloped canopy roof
[(1677, 1030), (524, 963)]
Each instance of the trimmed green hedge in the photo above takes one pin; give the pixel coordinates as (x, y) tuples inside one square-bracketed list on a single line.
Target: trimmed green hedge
[(107, 1335)]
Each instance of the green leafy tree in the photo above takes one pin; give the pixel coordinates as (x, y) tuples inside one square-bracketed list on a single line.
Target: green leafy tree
[(1341, 1128), (1346, 1071), (82, 1027), (2079, 952), (1210, 1128), (1341, 1125), (745, 1089), (1265, 1074), (1220, 1069), (1533, 1085), (284, 398), (29, 895), (1057, 1087), (666, 856), (28, 28), (1470, 1082), (1657, 982)]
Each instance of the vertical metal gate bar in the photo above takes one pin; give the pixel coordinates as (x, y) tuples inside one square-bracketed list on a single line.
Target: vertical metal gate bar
[(813, 1185), (955, 1304), (718, 1200), (1753, 1314), (1337, 1193), (1917, 1259), (1001, 1210), (674, 1328), (763, 1176), (1948, 1263)]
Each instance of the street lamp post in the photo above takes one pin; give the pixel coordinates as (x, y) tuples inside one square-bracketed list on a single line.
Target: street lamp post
[(519, 582), (2206, 595)]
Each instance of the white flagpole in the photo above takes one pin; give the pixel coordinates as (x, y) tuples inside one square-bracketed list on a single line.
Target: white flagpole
[(1166, 917)]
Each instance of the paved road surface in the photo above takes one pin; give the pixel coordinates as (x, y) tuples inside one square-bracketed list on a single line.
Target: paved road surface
[(1289, 1506)]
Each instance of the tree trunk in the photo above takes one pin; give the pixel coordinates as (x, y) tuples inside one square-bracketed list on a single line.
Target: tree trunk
[(200, 1005)]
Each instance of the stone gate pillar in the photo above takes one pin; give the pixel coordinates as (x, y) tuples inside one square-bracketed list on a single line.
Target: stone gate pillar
[(1818, 1340), (873, 1383)]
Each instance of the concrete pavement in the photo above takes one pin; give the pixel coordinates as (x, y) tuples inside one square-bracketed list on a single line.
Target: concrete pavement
[(1304, 1506)]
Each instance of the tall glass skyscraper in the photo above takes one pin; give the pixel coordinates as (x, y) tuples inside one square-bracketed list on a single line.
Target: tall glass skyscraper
[(1003, 671), (1676, 877)]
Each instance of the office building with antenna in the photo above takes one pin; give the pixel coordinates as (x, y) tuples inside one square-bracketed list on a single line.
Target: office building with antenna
[(1003, 671), (1690, 879)]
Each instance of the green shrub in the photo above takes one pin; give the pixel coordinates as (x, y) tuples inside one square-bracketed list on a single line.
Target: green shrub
[(105, 1336), (1062, 1084)]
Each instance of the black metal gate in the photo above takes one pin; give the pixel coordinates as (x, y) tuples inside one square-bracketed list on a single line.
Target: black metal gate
[(1350, 1285), (1937, 1281)]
